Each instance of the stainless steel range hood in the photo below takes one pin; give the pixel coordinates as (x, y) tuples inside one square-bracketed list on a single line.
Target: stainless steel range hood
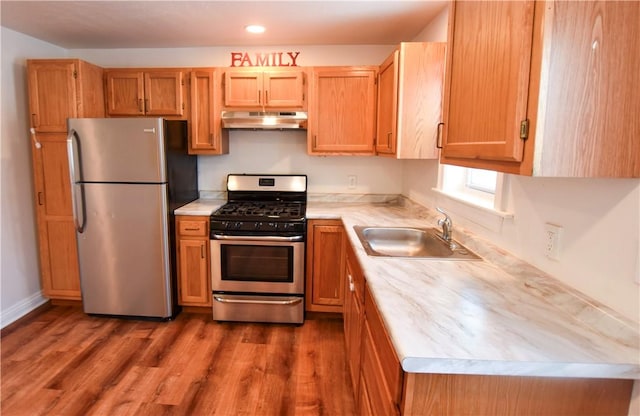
[(259, 120)]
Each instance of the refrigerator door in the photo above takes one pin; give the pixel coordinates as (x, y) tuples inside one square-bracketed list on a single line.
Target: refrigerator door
[(118, 149), (124, 250)]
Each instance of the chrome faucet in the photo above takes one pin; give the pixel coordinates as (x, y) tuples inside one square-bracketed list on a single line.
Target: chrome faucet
[(446, 224)]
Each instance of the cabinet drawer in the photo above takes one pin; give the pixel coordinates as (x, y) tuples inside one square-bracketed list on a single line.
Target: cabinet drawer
[(193, 227)]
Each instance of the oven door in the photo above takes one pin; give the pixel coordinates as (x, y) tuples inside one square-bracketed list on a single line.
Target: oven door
[(270, 264)]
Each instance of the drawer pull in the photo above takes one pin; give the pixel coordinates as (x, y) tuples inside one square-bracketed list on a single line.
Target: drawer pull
[(192, 229)]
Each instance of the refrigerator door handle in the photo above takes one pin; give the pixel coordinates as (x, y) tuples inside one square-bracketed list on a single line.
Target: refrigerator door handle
[(74, 160)]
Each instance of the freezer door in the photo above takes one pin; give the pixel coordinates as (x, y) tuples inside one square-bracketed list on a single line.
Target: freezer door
[(118, 149), (124, 251)]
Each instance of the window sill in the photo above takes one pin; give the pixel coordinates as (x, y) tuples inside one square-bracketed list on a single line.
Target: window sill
[(486, 217)]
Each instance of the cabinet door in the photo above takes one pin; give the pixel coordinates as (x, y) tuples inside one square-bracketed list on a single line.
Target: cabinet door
[(125, 93), (364, 402), (342, 111), (487, 80), (56, 230), (163, 94), (243, 88), (284, 89), (52, 94), (325, 266), (380, 366), (353, 318), (419, 107), (207, 136), (387, 105), (194, 273), (194, 282)]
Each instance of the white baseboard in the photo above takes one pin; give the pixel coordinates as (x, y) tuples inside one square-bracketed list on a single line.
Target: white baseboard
[(21, 308)]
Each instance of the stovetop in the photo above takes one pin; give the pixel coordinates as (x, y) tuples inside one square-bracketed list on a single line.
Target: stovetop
[(262, 204), (261, 210)]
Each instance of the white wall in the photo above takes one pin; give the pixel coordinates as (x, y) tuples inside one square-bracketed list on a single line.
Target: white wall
[(19, 280), (285, 152)]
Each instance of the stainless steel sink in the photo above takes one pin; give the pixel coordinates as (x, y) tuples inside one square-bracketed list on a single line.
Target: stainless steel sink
[(410, 242)]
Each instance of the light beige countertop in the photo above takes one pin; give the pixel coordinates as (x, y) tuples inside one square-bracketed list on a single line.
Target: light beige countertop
[(200, 207), (498, 316)]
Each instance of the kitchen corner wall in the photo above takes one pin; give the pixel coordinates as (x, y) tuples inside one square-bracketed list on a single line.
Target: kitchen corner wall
[(600, 247), (19, 274)]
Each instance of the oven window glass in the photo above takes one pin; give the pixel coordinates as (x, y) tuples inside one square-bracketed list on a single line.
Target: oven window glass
[(257, 263)]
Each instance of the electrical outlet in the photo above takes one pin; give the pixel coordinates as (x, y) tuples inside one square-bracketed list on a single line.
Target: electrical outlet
[(353, 181), (552, 233)]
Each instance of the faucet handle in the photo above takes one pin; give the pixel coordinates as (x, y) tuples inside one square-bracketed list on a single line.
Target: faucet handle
[(446, 220), (446, 224)]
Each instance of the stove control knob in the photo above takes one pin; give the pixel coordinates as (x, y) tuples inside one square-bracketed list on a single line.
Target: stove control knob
[(225, 225), (237, 225), (258, 225)]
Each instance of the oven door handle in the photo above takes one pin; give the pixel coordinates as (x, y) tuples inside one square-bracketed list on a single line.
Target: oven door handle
[(263, 302), (256, 238)]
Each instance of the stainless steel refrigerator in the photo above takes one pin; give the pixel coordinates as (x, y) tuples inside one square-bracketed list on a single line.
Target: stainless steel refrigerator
[(128, 175)]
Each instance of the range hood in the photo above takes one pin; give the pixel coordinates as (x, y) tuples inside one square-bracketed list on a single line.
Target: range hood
[(259, 120)]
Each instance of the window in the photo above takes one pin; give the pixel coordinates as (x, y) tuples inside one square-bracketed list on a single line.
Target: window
[(474, 186)]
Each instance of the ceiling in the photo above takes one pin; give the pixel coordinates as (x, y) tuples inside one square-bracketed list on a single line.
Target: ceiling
[(167, 24)]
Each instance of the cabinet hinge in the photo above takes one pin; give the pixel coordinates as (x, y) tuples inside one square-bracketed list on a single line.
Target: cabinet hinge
[(75, 74), (524, 129), (182, 82)]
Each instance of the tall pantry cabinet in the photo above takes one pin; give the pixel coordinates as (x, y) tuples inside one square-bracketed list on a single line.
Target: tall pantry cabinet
[(58, 89)]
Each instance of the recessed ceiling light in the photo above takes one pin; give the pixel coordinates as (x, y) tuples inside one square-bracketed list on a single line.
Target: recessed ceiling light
[(254, 29)]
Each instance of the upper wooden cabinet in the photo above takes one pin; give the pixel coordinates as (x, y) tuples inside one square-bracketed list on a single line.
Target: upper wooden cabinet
[(342, 110), (63, 88), (136, 92), (265, 88), (410, 84), (206, 133), (543, 88)]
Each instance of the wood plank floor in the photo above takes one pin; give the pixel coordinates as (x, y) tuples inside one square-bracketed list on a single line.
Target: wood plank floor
[(63, 362)]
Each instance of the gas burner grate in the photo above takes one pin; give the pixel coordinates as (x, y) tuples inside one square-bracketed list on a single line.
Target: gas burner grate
[(261, 209)]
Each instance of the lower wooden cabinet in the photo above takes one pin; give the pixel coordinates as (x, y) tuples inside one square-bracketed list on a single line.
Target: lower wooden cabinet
[(325, 266), (381, 387), (192, 246), (380, 367), (353, 316)]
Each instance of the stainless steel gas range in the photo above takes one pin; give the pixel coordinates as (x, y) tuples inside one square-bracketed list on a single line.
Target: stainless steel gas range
[(258, 249)]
